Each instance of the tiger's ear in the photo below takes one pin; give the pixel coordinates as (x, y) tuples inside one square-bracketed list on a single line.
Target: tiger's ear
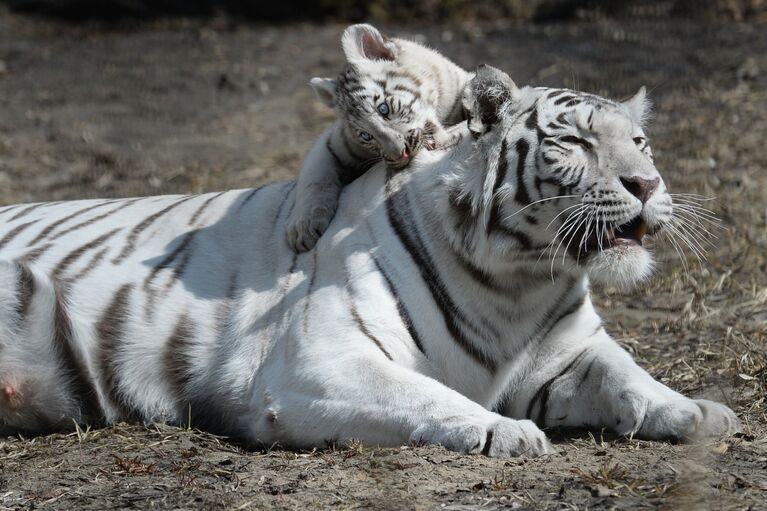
[(365, 42), (639, 106), (325, 89), (487, 95)]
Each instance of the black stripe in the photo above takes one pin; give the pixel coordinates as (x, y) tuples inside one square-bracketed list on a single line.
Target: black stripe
[(15, 232), (532, 120), (523, 147), (346, 173), (170, 258), (307, 303), (72, 365), (248, 197), (488, 443), (110, 330), (204, 206), (401, 309), (563, 99), (177, 361), (130, 243), (33, 255), (553, 316), (542, 395), (93, 220), (95, 260), (364, 329), (26, 211), (73, 256), (50, 227), (503, 167), (451, 314), (7, 209), (25, 285)]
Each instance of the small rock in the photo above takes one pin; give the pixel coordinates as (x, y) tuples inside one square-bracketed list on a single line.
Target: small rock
[(601, 491)]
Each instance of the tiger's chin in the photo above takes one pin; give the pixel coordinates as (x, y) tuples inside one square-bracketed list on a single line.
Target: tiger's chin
[(622, 266)]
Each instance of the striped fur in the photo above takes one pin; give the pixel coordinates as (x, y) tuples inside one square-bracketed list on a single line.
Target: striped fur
[(423, 308), (392, 98)]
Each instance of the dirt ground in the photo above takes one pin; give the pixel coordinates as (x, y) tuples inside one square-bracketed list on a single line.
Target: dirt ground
[(192, 106)]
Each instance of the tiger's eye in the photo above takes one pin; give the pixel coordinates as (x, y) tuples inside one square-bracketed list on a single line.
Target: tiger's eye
[(383, 109), (367, 137)]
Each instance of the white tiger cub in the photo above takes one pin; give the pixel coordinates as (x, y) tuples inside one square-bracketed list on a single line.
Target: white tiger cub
[(421, 316), (393, 97)]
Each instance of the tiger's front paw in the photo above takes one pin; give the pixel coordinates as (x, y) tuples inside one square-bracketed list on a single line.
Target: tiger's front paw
[(689, 420), (306, 225), (502, 438)]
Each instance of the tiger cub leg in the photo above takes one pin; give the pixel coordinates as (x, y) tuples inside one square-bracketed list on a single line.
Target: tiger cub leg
[(599, 385), (312, 403), (317, 190), (33, 395)]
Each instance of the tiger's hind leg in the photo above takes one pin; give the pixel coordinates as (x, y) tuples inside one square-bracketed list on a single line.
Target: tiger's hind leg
[(33, 395), (599, 385)]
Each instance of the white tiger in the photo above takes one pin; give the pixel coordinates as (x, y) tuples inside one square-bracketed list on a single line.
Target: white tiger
[(421, 310), (392, 98)]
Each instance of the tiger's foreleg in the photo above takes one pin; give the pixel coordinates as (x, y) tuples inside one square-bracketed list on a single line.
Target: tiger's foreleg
[(378, 402), (599, 385)]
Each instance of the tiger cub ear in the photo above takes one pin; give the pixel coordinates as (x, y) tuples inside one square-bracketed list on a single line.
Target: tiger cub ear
[(639, 106), (325, 89), (365, 42), (486, 96)]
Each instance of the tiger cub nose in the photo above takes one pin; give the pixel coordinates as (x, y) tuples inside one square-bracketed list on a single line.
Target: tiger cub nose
[(639, 187), (404, 155)]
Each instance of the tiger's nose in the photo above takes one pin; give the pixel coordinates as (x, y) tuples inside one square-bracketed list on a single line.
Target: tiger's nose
[(404, 155), (639, 187)]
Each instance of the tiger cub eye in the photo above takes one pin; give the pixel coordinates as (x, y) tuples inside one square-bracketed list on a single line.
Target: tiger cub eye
[(367, 137), (383, 109)]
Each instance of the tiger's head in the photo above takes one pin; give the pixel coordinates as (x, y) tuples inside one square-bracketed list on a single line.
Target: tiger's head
[(379, 102), (568, 181)]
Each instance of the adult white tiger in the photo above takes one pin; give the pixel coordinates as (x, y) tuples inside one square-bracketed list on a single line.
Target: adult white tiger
[(419, 311)]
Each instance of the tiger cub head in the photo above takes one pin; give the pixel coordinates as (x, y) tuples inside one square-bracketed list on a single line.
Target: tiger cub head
[(380, 103), (563, 178)]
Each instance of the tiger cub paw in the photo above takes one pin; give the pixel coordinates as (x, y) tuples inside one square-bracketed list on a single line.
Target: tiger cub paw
[(306, 225)]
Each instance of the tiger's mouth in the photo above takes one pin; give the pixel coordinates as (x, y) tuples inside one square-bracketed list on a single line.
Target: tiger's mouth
[(607, 237)]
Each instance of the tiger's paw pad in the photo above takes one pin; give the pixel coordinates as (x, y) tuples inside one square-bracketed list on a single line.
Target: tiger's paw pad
[(304, 229), (689, 420)]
